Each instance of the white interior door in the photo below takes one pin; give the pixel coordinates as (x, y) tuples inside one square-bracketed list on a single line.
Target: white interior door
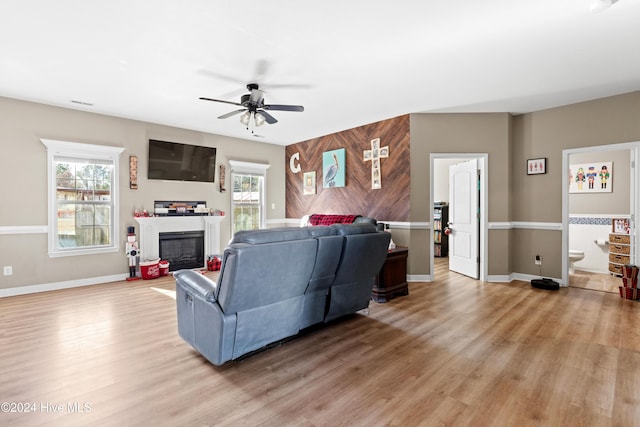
[(463, 218)]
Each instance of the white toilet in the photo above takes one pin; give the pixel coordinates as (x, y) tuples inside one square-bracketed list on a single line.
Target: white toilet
[(574, 256)]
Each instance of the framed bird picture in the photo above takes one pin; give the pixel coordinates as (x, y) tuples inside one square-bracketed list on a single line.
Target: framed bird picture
[(333, 168)]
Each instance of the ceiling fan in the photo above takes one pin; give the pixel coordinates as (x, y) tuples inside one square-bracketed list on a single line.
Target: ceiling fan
[(254, 108)]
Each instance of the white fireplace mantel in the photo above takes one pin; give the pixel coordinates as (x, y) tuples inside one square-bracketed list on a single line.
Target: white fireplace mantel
[(151, 227)]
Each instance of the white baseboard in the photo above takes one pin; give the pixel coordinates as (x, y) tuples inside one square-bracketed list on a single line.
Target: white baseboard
[(530, 277), (55, 286), (418, 277), (499, 278)]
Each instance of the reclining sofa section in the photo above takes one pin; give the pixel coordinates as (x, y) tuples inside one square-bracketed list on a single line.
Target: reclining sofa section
[(275, 282)]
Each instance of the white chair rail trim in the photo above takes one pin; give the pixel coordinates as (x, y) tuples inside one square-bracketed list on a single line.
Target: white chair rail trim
[(24, 229)]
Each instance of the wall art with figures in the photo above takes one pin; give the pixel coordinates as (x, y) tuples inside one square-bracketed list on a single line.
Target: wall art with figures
[(594, 177)]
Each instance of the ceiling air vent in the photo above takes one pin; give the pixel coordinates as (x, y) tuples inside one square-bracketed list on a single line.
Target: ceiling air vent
[(88, 104)]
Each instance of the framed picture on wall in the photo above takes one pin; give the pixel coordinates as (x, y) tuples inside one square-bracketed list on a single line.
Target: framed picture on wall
[(333, 168), (537, 166), (309, 183), (594, 177), (620, 226)]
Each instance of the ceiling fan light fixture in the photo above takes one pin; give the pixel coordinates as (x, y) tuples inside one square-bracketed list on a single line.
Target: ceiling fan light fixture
[(598, 6), (259, 119), (244, 118)]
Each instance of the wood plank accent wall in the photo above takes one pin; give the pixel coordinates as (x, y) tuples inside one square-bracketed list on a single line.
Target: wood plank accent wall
[(389, 203)]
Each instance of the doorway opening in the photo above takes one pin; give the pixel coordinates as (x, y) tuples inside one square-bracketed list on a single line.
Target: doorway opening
[(587, 215), (477, 205)]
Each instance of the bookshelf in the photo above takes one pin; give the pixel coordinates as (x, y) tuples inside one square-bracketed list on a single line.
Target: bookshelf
[(440, 220)]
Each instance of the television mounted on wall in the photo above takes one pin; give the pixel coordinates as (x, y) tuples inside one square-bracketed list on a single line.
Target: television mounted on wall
[(181, 162)]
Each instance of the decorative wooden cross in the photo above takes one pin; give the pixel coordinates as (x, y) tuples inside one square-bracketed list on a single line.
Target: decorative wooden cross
[(375, 154)]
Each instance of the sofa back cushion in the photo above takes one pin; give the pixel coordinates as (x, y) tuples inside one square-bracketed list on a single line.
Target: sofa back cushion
[(254, 275), (326, 263), (269, 235), (358, 228), (362, 255)]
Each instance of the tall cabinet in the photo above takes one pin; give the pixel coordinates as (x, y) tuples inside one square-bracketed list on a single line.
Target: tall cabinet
[(440, 220)]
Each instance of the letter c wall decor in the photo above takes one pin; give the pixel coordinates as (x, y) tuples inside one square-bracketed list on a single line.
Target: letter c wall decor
[(294, 162)]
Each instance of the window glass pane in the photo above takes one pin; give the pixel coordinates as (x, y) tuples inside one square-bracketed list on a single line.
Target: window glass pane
[(82, 225), (246, 199), (92, 180), (82, 188)]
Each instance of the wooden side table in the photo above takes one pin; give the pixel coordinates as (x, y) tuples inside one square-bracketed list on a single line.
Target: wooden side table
[(391, 281)]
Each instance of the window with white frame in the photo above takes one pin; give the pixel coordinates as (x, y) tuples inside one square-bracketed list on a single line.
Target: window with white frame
[(83, 198), (248, 197)]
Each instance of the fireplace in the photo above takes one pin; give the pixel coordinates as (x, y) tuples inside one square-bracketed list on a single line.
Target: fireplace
[(151, 228), (184, 249)]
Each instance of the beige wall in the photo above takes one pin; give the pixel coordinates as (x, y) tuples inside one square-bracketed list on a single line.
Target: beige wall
[(515, 196), (509, 142), (546, 133), (24, 183), (615, 202), (538, 198), (459, 133)]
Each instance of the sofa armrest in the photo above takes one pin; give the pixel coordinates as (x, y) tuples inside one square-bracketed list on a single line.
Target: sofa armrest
[(198, 284)]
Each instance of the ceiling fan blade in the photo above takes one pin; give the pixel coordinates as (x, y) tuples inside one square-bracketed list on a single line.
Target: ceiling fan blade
[(268, 117), (270, 86), (210, 73), (220, 100), (232, 113), (261, 68), (283, 107)]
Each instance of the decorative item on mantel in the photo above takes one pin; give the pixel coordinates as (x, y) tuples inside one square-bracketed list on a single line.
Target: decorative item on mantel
[(140, 214), (173, 208)]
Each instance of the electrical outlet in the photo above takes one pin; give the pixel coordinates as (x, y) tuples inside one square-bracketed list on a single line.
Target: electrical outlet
[(538, 260), (8, 270)]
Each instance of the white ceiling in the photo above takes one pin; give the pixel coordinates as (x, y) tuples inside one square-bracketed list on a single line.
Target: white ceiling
[(349, 62)]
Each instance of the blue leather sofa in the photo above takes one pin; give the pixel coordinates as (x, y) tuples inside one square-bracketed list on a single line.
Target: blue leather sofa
[(274, 283)]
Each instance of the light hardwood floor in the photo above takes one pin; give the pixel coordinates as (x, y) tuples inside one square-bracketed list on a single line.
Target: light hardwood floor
[(595, 281), (454, 352)]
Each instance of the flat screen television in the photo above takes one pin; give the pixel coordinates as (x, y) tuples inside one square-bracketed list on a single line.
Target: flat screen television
[(181, 162)]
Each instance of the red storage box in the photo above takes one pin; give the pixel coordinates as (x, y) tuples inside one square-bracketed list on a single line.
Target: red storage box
[(164, 268), (150, 269)]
